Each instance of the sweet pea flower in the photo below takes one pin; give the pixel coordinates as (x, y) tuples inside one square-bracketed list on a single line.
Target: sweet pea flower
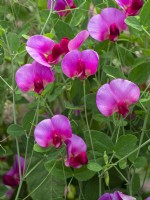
[(107, 25), (80, 64), (148, 198), (46, 52), (61, 6), (131, 7), (11, 178), (116, 196), (76, 152), (117, 96), (33, 77), (53, 132)]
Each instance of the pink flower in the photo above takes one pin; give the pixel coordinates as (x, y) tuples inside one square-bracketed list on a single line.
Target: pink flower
[(53, 131), (116, 196), (116, 97), (76, 152), (131, 7), (61, 5), (46, 52), (33, 77), (107, 25), (11, 178), (80, 64)]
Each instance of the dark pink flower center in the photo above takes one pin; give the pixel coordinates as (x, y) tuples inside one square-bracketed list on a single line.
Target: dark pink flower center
[(64, 45), (122, 108), (114, 32), (11, 180), (38, 85), (57, 142), (80, 159), (135, 7), (81, 69), (55, 54)]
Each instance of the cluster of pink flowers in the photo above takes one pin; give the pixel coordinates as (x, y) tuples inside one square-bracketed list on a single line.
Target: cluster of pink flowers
[(55, 132), (116, 96)]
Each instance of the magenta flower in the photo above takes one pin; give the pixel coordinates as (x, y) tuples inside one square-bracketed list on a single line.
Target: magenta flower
[(116, 196), (46, 52), (116, 97), (80, 64), (33, 77), (53, 131), (61, 6), (11, 178), (131, 7), (76, 152), (107, 25)]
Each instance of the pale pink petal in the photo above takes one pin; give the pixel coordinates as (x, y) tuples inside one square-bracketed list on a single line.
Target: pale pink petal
[(49, 4), (106, 101), (90, 59), (125, 91), (44, 73), (114, 16), (25, 77), (123, 3), (98, 28), (62, 125), (43, 133), (76, 42), (37, 56), (124, 196), (39, 47), (69, 63)]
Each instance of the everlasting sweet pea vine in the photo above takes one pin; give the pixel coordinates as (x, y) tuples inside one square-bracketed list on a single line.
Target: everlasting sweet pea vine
[(76, 59)]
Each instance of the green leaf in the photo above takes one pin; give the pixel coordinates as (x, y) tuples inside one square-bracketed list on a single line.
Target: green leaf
[(135, 184), (140, 73), (28, 120), (145, 16), (92, 189), (93, 166), (52, 188), (140, 162), (125, 145), (15, 130), (39, 149), (60, 171), (1, 55), (101, 142), (113, 72), (123, 164), (134, 22), (66, 30), (13, 42), (83, 174)]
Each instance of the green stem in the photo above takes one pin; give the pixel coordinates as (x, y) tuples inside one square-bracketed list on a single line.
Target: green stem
[(6, 83), (143, 131), (90, 136)]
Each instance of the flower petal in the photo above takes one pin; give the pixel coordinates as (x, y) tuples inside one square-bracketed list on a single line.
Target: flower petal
[(91, 64), (38, 46), (105, 100), (25, 77), (44, 73), (98, 28), (62, 125), (43, 133), (125, 91), (117, 17), (124, 196), (76, 42), (69, 63), (106, 196)]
